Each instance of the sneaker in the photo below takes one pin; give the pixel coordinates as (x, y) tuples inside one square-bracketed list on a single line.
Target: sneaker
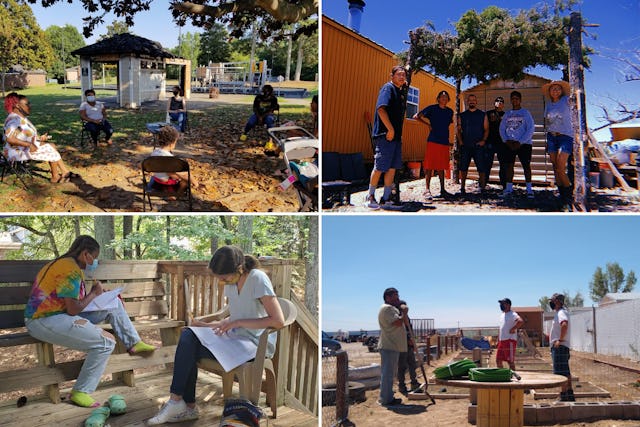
[(427, 196), (371, 203), (243, 137), (392, 402), (530, 194), (403, 391), (174, 412), (506, 194)]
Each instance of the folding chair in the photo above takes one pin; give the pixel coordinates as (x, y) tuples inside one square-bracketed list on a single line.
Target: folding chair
[(167, 164), (19, 169), (84, 133)]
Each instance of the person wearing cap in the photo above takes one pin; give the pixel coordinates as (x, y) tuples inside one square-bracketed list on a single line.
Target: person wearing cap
[(437, 117), (510, 322), (407, 359), (495, 143), (473, 130), (557, 118), (393, 341), (559, 341), (516, 130), (387, 135)]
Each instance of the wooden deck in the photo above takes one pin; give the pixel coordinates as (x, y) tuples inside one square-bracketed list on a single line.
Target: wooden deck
[(143, 401)]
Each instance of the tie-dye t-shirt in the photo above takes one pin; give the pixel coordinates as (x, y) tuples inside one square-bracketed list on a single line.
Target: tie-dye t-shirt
[(56, 281)]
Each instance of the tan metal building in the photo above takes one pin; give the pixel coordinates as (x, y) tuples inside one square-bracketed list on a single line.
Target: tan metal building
[(353, 70)]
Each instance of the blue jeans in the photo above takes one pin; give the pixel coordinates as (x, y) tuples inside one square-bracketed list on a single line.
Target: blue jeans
[(80, 333), (556, 143), (94, 129), (180, 118), (269, 120), (389, 369), (185, 369)]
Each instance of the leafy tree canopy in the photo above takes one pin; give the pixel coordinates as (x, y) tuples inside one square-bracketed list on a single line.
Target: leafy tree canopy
[(214, 45), (22, 41), (239, 14), (611, 279), (63, 41), (494, 43)]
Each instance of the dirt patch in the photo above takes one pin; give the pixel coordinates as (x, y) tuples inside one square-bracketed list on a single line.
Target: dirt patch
[(622, 384)]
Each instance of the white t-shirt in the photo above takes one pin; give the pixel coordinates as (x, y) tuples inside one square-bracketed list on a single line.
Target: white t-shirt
[(160, 152), (94, 112), (560, 316), (247, 305), (507, 321)]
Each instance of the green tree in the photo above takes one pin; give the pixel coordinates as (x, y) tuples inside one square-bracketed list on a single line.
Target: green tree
[(22, 40), (63, 40), (116, 27), (612, 279), (576, 301), (214, 45)]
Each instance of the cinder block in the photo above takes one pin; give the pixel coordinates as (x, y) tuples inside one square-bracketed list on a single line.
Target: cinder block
[(530, 418), (544, 414), (561, 412), (630, 410), (615, 410), (472, 413), (587, 410)]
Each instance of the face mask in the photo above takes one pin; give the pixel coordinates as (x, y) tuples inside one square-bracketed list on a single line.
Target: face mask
[(91, 99), (90, 268), (503, 307), (232, 280), (552, 305), (175, 93)]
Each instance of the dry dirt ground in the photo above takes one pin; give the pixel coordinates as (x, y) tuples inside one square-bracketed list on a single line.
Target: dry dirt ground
[(232, 175), (622, 384), (546, 199)]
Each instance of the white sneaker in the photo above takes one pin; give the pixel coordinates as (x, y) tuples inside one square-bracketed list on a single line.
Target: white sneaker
[(174, 412), (371, 203)]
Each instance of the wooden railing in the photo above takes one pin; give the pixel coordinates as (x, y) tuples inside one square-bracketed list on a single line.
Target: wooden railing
[(296, 357)]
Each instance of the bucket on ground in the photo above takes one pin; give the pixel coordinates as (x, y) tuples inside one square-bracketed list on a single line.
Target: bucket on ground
[(414, 168)]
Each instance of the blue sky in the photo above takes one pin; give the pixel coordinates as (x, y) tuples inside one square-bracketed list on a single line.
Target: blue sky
[(455, 268), (619, 30), (156, 24)]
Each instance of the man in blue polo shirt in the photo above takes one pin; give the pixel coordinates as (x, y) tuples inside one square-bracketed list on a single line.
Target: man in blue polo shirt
[(387, 135)]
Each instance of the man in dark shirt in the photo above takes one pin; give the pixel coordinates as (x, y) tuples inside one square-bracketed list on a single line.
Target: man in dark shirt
[(264, 106), (387, 135), (495, 142), (473, 129)]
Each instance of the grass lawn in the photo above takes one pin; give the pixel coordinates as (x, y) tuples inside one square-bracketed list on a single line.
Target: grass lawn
[(235, 176)]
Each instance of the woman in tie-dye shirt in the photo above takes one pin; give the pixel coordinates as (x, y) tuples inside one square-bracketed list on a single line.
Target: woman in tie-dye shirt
[(55, 314)]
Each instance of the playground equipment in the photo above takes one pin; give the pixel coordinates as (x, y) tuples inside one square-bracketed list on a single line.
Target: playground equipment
[(232, 77)]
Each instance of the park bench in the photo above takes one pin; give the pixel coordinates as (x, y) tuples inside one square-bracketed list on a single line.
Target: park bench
[(146, 302)]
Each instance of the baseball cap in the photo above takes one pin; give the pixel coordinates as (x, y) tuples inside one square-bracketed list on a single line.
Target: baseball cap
[(558, 297), (499, 99), (505, 300)]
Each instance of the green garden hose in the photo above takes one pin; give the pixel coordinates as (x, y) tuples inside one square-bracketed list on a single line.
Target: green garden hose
[(490, 374), (454, 370)]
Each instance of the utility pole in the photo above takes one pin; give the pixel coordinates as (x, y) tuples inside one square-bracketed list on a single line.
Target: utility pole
[(578, 111)]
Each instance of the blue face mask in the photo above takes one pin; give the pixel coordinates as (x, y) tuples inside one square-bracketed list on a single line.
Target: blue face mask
[(90, 268)]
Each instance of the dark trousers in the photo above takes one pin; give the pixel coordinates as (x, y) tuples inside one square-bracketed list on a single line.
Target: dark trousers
[(94, 129), (185, 369), (406, 361)]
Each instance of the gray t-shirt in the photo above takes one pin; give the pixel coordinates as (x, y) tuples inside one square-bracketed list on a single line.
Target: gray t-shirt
[(247, 305)]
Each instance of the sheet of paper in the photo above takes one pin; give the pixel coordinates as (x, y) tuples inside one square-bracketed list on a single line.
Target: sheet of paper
[(106, 301), (229, 349)]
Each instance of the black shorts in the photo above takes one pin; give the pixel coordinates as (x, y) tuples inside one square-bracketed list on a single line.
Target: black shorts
[(523, 152), (560, 358)]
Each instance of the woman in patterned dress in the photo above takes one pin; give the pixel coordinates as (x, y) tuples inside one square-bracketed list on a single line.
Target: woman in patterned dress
[(22, 142)]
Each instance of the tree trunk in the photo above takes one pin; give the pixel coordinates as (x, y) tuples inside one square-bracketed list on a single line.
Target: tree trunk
[(287, 72), (578, 110), (299, 60), (245, 232), (127, 229), (168, 230), (76, 225), (311, 267), (105, 234), (138, 248)]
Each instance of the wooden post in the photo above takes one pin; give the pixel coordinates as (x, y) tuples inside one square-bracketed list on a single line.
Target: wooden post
[(578, 110)]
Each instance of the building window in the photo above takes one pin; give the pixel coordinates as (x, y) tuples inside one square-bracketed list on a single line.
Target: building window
[(413, 100)]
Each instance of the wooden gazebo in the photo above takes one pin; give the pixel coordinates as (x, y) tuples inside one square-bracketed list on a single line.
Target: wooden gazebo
[(141, 67)]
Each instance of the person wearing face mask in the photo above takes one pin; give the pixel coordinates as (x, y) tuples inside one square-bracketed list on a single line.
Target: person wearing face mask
[(392, 343), (510, 322), (177, 108), (22, 142), (559, 341), (264, 106), (253, 306), (94, 114), (494, 140), (54, 314)]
